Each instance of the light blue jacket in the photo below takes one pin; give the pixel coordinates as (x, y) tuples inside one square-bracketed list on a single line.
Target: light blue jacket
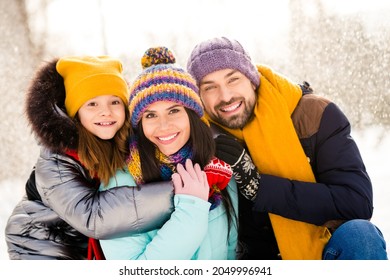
[(193, 231)]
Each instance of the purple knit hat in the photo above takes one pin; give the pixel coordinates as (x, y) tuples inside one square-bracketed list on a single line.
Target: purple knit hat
[(221, 53)]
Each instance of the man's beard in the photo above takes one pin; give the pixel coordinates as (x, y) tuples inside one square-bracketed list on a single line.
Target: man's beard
[(237, 121)]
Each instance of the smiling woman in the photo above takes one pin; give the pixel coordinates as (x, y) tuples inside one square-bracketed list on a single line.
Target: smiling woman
[(173, 143), (166, 124)]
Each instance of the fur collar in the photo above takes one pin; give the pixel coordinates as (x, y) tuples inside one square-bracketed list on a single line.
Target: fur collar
[(46, 112)]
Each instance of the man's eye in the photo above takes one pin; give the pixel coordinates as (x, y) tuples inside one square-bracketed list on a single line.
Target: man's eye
[(208, 88), (233, 79)]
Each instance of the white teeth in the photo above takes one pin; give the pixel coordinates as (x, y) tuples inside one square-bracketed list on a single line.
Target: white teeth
[(105, 123), (167, 138), (231, 108)]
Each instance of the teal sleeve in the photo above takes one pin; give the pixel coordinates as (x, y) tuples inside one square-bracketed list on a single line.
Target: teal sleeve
[(233, 233), (179, 237), (121, 178)]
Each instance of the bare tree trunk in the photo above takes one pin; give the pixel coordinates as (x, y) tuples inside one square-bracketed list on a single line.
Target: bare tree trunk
[(18, 149)]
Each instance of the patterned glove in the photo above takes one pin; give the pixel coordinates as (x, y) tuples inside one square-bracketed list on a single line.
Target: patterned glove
[(244, 171)]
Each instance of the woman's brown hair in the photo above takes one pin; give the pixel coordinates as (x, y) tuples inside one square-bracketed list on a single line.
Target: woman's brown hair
[(203, 148)]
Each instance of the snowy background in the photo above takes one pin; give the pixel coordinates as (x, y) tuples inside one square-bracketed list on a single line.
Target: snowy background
[(340, 46)]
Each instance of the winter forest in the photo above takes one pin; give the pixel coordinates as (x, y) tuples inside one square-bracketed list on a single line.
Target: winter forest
[(342, 48)]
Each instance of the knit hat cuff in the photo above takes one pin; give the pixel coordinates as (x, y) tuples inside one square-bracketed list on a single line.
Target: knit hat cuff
[(218, 59), (93, 86), (186, 97)]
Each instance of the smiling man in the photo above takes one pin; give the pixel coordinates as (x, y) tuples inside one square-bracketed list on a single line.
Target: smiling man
[(309, 196), (222, 107)]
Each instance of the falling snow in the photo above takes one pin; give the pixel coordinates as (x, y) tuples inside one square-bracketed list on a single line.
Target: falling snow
[(340, 47)]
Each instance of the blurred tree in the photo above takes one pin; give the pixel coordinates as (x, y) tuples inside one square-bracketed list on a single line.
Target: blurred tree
[(340, 59), (18, 58)]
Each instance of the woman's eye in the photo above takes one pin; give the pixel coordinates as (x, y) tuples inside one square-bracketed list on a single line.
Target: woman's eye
[(173, 111), (149, 116)]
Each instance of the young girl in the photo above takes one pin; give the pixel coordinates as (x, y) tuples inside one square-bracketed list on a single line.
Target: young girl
[(172, 141), (77, 108)]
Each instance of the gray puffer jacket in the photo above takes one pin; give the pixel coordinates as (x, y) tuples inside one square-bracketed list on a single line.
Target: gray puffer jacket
[(63, 206)]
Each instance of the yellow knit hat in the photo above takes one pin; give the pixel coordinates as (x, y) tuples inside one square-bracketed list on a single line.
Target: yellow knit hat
[(86, 77)]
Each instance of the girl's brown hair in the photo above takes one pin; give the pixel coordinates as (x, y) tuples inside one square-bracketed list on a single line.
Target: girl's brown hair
[(103, 158)]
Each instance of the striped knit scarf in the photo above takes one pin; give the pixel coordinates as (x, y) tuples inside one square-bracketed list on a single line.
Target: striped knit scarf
[(167, 163), (217, 171)]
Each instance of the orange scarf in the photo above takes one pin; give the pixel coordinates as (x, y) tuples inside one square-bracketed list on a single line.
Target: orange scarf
[(276, 150)]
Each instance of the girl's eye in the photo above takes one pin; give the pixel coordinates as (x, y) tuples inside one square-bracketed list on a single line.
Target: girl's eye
[(92, 104), (116, 102)]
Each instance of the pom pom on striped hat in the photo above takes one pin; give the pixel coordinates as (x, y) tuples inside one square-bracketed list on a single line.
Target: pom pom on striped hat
[(162, 80)]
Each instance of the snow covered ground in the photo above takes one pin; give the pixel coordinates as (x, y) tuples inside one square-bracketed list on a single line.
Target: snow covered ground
[(374, 146)]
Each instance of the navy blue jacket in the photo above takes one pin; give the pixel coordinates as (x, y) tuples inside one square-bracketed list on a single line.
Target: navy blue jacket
[(342, 191)]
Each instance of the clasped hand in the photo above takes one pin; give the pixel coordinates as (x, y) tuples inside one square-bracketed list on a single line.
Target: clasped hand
[(190, 180)]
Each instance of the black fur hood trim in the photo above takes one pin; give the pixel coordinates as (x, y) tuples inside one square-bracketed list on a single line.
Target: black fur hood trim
[(46, 111)]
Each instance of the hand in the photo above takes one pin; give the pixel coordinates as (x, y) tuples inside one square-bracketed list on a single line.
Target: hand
[(218, 175), (228, 149), (191, 180), (244, 171)]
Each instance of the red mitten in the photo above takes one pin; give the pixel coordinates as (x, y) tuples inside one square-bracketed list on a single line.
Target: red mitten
[(218, 175)]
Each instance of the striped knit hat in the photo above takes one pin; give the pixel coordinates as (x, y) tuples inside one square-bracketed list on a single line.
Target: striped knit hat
[(161, 80)]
